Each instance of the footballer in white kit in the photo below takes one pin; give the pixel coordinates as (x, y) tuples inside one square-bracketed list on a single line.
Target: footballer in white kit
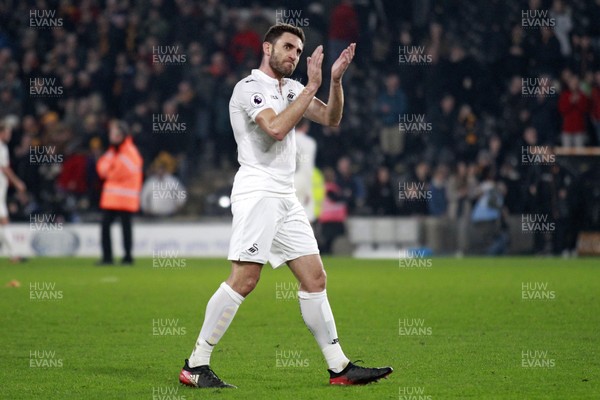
[(7, 176), (269, 223)]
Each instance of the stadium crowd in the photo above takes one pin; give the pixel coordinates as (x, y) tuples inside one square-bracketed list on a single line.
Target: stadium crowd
[(443, 95)]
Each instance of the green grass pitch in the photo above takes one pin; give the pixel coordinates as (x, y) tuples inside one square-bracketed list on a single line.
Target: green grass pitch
[(505, 328)]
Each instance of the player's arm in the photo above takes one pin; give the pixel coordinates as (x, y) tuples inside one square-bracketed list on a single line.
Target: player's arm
[(279, 125), (13, 178), (330, 114)]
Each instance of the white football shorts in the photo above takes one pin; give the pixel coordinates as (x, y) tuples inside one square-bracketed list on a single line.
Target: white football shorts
[(273, 229)]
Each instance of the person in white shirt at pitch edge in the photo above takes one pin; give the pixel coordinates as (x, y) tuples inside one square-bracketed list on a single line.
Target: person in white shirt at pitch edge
[(306, 154), (163, 194), (269, 223)]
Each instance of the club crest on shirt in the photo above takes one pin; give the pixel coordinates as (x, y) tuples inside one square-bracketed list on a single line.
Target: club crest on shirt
[(291, 96), (257, 100), (253, 249)]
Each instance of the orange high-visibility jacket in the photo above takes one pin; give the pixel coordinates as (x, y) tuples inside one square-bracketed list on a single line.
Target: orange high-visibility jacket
[(121, 171)]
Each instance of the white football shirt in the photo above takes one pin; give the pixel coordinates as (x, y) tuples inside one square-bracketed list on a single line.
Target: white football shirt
[(162, 195), (267, 166)]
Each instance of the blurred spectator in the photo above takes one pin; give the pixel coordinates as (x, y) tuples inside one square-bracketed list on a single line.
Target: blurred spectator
[(461, 72), (563, 25), (536, 199), (438, 204), (226, 156), (584, 58), (136, 93), (514, 109), (496, 151), (513, 182), (528, 139), (540, 202), (546, 55), (563, 195), (489, 231), (381, 198), (343, 30), (459, 190), (210, 94), (246, 44), (218, 66), (54, 144), (461, 185), (180, 116), (515, 60), (72, 182), (573, 106), (444, 119), (467, 136), (543, 110), (141, 122), (413, 190), (154, 25), (351, 187), (391, 105), (187, 24)]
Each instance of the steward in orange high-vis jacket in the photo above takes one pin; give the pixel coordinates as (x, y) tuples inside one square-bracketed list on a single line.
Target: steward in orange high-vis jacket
[(120, 168)]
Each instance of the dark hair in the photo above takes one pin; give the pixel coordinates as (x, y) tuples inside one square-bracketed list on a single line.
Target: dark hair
[(277, 30), (122, 126)]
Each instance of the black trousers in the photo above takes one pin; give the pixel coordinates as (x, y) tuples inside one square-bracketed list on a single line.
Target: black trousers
[(108, 217)]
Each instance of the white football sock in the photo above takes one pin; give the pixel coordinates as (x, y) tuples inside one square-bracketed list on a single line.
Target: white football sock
[(318, 317), (220, 311), (6, 240)]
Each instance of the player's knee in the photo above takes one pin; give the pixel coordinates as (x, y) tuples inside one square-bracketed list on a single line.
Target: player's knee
[(245, 285), (249, 284), (321, 281), (316, 283)]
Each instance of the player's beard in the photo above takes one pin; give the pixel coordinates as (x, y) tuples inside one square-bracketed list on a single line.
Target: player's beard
[(283, 68)]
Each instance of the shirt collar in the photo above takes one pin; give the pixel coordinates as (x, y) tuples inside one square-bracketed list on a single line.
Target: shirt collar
[(258, 74)]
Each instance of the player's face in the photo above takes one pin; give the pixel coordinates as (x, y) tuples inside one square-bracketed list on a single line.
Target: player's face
[(285, 54)]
